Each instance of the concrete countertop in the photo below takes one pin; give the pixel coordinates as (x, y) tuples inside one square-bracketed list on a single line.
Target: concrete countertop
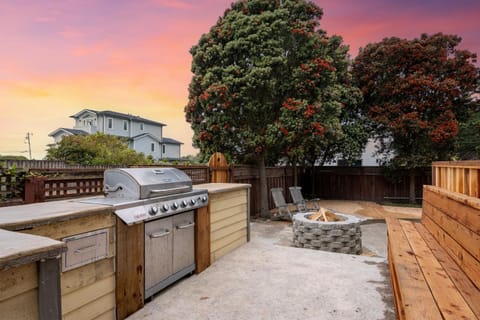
[(222, 187), (26, 216), (20, 248)]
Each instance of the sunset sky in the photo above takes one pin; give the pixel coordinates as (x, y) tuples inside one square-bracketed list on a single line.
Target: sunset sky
[(131, 56)]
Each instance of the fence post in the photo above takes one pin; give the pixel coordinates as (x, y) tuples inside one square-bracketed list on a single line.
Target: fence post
[(35, 189), (218, 168)]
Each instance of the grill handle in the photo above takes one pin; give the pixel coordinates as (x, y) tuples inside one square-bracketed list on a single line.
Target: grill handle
[(185, 226), (115, 188), (169, 191), (163, 233)]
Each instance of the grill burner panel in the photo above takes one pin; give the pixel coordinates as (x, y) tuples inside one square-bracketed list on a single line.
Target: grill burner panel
[(150, 209)]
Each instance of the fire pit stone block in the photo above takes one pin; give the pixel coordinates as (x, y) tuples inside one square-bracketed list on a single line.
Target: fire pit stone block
[(339, 236)]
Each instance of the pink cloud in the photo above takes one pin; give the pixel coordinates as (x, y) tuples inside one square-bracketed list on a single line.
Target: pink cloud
[(70, 33), (174, 4)]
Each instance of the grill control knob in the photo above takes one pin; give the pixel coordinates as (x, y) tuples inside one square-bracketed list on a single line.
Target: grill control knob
[(204, 199), (193, 201), (153, 211), (184, 203), (165, 208), (174, 206)]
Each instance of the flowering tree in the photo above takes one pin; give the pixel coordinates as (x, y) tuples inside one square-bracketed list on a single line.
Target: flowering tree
[(267, 81), (416, 92)]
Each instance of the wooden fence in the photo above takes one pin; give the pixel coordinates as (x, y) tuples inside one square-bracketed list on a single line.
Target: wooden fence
[(342, 183), (363, 183), (277, 177), (457, 176)]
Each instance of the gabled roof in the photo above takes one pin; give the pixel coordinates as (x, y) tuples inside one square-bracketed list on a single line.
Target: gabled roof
[(140, 136), (120, 115), (170, 141), (74, 132)]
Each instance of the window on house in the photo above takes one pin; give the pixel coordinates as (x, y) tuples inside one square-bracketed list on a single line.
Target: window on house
[(152, 147), (125, 125), (141, 126), (110, 123), (163, 148)]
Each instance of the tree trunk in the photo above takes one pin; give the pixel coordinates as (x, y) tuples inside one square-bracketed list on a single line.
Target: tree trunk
[(412, 198), (264, 212), (312, 180), (295, 171)]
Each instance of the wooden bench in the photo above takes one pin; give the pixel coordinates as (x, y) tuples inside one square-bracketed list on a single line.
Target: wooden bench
[(435, 264)]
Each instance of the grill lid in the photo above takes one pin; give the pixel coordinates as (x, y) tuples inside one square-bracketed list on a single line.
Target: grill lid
[(143, 183)]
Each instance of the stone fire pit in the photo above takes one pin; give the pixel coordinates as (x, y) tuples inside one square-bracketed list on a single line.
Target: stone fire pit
[(343, 236)]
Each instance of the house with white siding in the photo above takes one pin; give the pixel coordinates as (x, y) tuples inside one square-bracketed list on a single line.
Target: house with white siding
[(144, 135)]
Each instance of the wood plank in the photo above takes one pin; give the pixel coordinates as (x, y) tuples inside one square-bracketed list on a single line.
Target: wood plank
[(226, 213), (217, 254), (416, 298), (228, 230), (228, 194), (224, 204), (49, 294), (467, 289), (68, 228), (109, 315), (474, 177), (466, 181), (229, 221), (462, 257), (202, 239), (87, 274), (448, 299), (129, 268), (18, 280), (23, 306), (462, 208), (394, 281), (225, 241), (459, 180), (464, 236), (88, 294), (92, 310)]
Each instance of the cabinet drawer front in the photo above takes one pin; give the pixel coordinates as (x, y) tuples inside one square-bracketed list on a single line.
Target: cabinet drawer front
[(85, 248)]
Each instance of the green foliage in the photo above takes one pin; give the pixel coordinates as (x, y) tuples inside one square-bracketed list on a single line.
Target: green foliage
[(468, 140), (96, 149), (268, 82), (415, 94), (12, 181), (9, 157)]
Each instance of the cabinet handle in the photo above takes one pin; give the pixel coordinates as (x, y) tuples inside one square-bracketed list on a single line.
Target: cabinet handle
[(159, 234), (85, 249), (185, 226)]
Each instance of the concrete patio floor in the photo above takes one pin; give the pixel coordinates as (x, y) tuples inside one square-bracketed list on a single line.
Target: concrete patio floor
[(268, 279)]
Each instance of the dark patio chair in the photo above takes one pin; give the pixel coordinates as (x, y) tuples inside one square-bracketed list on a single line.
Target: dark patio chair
[(301, 203), (280, 204)]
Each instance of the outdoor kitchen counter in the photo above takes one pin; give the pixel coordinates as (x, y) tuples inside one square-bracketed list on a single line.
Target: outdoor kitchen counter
[(30, 215), (29, 265), (33, 284), (19, 248), (215, 188), (226, 223)]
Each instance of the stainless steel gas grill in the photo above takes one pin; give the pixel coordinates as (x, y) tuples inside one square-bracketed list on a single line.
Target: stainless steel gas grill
[(164, 200)]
